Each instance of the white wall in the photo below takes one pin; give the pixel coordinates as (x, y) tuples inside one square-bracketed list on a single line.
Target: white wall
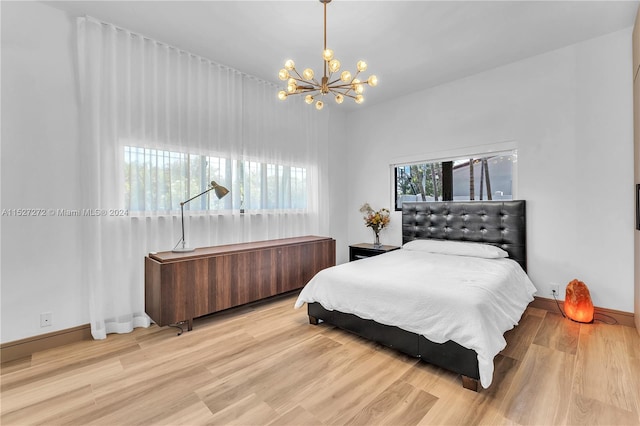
[(40, 255), (338, 185), (570, 114), (636, 113)]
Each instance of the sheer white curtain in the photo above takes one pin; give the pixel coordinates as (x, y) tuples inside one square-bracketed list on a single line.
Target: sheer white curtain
[(158, 124)]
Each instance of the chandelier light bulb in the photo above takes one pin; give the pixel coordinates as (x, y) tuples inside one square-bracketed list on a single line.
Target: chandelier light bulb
[(362, 66), (327, 54), (307, 74), (282, 95), (283, 74), (372, 81), (339, 98), (289, 65), (359, 99), (334, 65), (291, 88), (319, 105), (357, 86), (308, 99), (345, 76)]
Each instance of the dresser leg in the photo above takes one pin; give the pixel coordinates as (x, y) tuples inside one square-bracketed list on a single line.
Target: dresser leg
[(190, 324)]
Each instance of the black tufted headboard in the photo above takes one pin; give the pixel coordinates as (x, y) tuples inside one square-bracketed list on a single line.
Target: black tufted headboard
[(500, 223)]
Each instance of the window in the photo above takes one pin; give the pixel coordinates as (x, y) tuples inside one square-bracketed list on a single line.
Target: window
[(157, 181), (487, 177)]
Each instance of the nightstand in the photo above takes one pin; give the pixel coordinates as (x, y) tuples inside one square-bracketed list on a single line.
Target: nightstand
[(362, 250)]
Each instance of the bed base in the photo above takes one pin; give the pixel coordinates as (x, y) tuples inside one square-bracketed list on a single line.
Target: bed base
[(449, 355)]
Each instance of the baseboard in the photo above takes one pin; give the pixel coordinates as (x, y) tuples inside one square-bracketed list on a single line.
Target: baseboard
[(12, 351), (623, 318), (25, 347)]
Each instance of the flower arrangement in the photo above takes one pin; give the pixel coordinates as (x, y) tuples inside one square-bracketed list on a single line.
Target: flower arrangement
[(376, 220)]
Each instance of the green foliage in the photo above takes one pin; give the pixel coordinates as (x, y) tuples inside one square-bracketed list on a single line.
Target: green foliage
[(424, 180)]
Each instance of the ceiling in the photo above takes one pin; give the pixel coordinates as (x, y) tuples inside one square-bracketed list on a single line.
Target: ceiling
[(409, 45)]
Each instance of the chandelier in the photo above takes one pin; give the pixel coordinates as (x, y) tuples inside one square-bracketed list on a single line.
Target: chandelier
[(344, 85)]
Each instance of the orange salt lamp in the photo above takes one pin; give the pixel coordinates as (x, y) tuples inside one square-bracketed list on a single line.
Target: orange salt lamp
[(577, 302)]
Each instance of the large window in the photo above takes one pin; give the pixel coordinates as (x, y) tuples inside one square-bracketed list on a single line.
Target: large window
[(488, 177), (158, 180)]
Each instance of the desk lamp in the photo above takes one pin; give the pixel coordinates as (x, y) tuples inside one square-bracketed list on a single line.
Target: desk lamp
[(220, 192)]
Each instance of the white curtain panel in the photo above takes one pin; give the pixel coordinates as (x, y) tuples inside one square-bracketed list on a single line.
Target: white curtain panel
[(158, 124)]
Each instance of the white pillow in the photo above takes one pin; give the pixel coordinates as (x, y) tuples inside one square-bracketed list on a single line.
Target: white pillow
[(458, 248)]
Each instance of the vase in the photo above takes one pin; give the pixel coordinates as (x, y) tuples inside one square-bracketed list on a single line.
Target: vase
[(376, 240)]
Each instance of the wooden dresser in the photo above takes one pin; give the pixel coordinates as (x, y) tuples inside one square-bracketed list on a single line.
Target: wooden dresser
[(183, 286)]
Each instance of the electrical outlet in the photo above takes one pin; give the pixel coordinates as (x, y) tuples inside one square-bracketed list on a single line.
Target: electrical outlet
[(554, 288), (46, 319)]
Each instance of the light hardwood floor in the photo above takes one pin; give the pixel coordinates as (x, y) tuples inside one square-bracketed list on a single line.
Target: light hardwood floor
[(264, 364)]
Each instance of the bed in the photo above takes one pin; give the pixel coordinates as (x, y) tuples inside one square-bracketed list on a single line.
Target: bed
[(448, 306)]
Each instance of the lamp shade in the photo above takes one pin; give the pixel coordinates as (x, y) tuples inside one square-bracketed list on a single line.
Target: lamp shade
[(220, 190), (577, 302)]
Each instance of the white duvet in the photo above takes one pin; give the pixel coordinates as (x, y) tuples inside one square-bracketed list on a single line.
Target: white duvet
[(469, 300)]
